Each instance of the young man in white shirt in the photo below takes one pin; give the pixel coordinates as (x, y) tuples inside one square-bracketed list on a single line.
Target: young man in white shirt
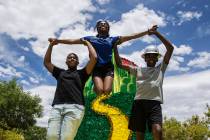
[(146, 108)]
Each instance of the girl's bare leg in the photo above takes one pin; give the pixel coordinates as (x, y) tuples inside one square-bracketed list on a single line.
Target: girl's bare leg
[(108, 81), (98, 85)]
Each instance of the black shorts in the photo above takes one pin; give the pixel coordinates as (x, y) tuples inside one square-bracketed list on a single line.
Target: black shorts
[(103, 71), (145, 113)]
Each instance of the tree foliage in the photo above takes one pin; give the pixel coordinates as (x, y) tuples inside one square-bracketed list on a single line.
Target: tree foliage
[(35, 133), (18, 108), (173, 130), (10, 135), (195, 128), (18, 113)]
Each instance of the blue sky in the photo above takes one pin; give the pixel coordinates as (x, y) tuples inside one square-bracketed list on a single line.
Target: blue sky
[(26, 25)]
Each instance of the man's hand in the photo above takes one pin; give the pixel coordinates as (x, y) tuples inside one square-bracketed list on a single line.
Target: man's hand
[(53, 41), (153, 30)]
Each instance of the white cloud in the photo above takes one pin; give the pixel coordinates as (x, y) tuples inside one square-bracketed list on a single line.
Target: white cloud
[(25, 48), (10, 56), (8, 60), (46, 22), (9, 71), (102, 11), (13, 63), (188, 16), (182, 50), (102, 2), (46, 93), (186, 95), (203, 30), (171, 19), (41, 19), (148, 39), (33, 80), (21, 59), (177, 59), (175, 65), (24, 82), (181, 2), (136, 20), (202, 61)]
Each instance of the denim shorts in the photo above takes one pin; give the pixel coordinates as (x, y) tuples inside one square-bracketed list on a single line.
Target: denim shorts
[(64, 121)]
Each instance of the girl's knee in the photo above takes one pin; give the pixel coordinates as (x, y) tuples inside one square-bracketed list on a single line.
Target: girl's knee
[(98, 90), (107, 90)]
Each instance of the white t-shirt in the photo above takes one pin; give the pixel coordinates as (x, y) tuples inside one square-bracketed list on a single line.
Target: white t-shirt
[(149, 82)]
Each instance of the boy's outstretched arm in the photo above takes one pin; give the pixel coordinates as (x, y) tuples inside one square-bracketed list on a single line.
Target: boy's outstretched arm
[(47, 58), (92, 55)]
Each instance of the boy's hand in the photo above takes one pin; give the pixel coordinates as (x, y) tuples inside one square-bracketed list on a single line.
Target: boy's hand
[(53, 41), (153, 30)]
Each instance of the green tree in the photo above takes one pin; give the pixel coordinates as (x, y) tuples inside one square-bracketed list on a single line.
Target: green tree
[(18, 109), (207, 118), (195, 128), (18, 113), (207, 115), (35, 133), (173, 130), (10, 135)]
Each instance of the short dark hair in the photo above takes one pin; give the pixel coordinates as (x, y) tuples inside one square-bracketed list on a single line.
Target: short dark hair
[(74, 55)]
